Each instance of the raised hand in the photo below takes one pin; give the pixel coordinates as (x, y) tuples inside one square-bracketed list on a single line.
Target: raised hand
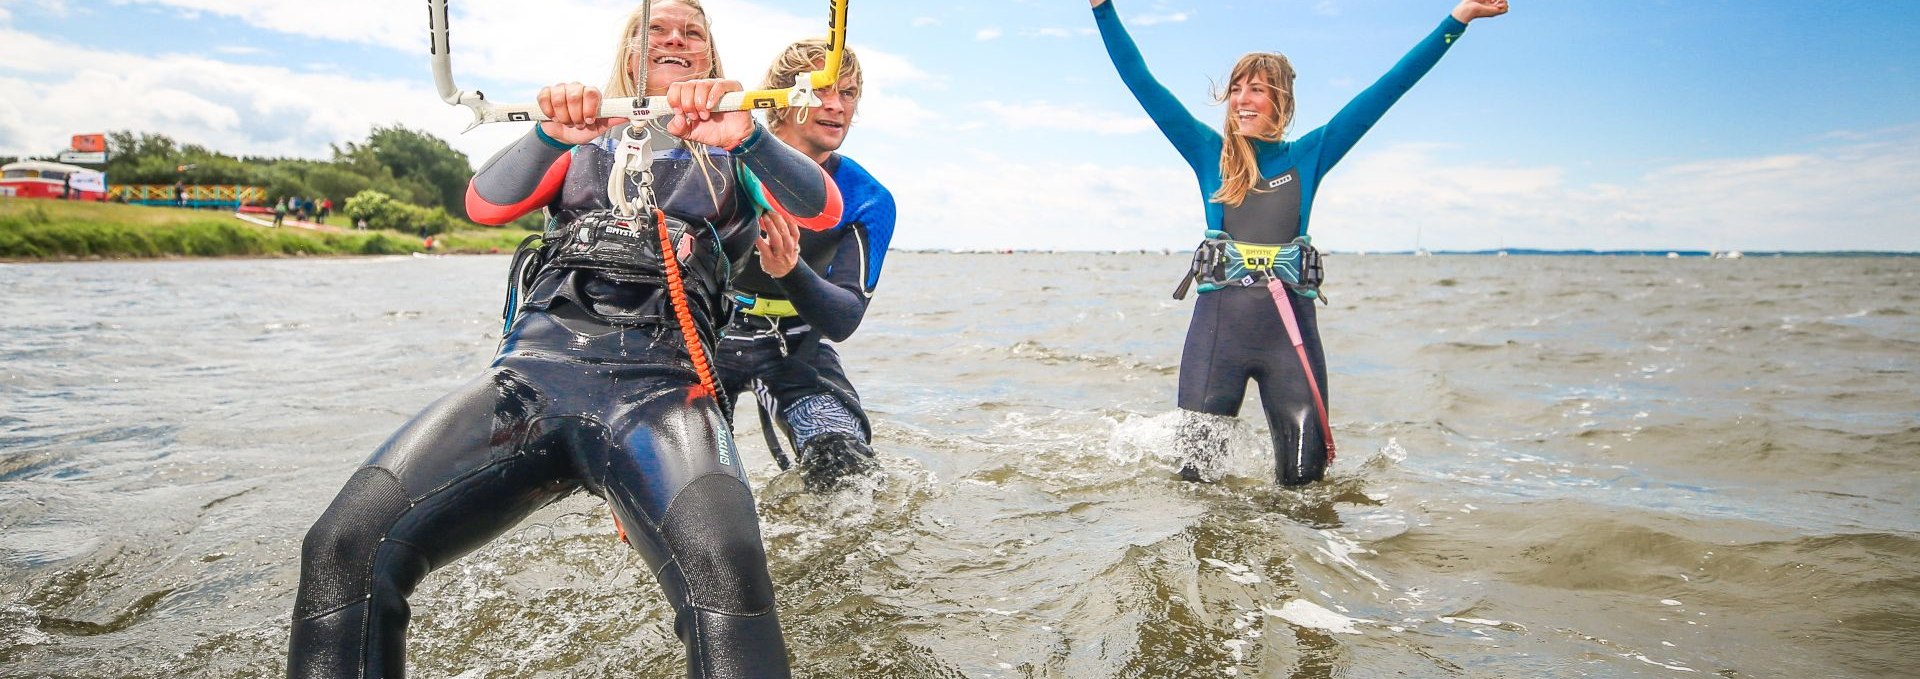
[(695, 101), (1468, 10), (779, 244), (573, 112)]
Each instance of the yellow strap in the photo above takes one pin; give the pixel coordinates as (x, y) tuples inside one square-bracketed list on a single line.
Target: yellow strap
[(770, 308), (1258, 257)]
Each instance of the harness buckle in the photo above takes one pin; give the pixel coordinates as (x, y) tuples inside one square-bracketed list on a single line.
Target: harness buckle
[(1221, 262)]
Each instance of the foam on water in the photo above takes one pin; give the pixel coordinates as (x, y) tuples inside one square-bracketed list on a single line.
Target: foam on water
[(1534, 467)]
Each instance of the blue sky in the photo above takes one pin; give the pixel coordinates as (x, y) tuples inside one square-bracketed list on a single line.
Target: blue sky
[(1685, 124)]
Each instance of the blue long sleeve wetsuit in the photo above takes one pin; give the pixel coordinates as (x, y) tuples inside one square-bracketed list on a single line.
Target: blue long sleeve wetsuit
[(1237, 333), (1312, 155)]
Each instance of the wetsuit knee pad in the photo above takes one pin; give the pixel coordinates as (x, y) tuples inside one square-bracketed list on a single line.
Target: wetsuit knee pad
[(339, 550), (714, 536)]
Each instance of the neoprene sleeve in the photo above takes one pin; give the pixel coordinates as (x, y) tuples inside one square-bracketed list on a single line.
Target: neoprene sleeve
[(835, 309), (790, 181)]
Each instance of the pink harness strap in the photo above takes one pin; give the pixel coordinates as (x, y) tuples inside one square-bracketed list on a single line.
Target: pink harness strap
[(1279, 291)]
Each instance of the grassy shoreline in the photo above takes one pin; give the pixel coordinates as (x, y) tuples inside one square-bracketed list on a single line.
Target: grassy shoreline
[(39, 230)]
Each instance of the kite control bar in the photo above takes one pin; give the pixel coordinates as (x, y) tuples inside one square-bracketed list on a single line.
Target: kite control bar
[(635, 108)]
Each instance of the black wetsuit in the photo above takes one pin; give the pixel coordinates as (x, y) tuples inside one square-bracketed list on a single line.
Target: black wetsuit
[(593, 388), (783, 359), (1237, 333)]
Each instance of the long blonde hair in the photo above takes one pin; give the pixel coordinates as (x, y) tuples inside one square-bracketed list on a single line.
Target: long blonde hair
[(622, 84), (799, 59), (1239, 165)]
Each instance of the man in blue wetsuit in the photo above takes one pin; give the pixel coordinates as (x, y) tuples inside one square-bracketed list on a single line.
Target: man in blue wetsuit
[(1256, 269), (803, 286)]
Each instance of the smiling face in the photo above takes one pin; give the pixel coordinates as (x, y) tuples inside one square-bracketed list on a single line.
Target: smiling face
[(1251, 103), (826, 127), (1259, 96), (816, 132), (678, 47)]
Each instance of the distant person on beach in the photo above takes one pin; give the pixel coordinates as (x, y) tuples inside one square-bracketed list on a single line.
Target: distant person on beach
[(803, 286), (604, 377), (279, 212), (1257, 273)]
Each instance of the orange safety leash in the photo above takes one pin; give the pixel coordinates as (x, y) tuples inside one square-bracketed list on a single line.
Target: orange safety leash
[(677, 292), (618, 530)]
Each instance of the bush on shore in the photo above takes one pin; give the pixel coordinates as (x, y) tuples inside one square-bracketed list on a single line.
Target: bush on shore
[(383, 212)]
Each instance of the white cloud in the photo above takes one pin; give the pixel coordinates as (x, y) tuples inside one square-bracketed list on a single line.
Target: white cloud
[(246, 109), (492, 42), (920, 22), (1058, 32), (238, 50), (987, 34), (1853, 195), (366, 21), (1848, 195), (984, 200), (1042, 115), (235, 108), (1326, 8), (1166, 18)]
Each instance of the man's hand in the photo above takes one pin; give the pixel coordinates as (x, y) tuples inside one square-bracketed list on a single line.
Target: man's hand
[(779, 244)]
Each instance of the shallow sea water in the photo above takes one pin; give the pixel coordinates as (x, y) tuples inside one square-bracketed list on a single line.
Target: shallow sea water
[(1550, 466)]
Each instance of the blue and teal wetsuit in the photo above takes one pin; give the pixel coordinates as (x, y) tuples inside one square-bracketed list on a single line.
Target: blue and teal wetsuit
[(797, 377), (1236, 333)]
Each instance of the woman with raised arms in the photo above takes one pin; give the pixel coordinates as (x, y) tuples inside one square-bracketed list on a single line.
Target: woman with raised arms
[(1258, 274)]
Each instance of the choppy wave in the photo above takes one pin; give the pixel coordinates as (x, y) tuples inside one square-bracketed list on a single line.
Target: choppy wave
[(1550, 467)]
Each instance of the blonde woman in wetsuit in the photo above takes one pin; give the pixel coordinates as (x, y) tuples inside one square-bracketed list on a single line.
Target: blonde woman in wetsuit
[(1255, 269), (603, 381)]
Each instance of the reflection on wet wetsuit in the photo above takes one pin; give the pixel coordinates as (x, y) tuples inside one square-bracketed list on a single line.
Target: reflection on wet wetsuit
[(593, 388)]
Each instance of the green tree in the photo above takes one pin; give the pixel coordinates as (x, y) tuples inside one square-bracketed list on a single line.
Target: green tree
[(431, 169)]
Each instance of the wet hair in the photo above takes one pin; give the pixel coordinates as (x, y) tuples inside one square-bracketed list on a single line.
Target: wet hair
[(1239, 166), (622, 83), (798, 59)]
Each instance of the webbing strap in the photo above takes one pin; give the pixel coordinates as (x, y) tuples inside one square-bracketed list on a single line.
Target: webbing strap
[(1279, 291), (765, 307)]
